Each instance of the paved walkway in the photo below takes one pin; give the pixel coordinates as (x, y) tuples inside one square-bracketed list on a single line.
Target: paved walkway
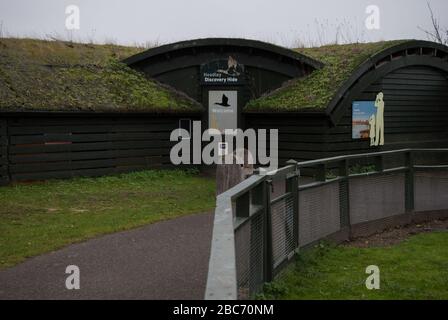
[(165, 260)]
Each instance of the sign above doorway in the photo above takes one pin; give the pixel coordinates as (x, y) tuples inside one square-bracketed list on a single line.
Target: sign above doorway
[(222, 72)]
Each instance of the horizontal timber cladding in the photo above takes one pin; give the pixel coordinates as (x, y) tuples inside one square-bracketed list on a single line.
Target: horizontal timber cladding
[(302, 136), (62, 146), (4, 178), (265, 66), (416, 115)]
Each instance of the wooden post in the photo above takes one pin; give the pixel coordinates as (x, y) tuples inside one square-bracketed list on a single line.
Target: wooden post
[(5, 175), (229, 175), (344, 194), (268, 250), (409, 182), (292, 185)]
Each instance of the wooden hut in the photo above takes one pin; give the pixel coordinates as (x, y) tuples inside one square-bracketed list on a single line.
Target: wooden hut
[(76, 109)]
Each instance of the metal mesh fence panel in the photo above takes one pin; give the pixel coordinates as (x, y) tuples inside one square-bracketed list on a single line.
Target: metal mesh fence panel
[(344, 203), (278, 188), (431, 190), (319, 213), (350, 203), (282, 219), (376, 197), (249, 247)]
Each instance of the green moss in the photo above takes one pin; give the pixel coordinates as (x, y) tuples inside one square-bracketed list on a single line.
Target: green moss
[(315, 91), (62, 76)]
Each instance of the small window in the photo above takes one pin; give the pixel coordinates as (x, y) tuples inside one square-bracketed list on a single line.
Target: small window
[(186, 125)]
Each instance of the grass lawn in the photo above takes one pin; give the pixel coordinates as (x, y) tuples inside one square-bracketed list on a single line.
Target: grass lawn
[(40, 217), (416, 268)]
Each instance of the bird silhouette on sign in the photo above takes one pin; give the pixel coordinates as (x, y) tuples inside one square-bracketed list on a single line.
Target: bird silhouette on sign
[(224, 102)]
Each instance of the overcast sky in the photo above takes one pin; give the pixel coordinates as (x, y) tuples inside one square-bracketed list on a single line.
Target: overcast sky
[(285, 22)]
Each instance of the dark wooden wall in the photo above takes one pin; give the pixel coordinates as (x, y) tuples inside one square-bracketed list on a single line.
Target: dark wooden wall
[(3, 152), (180, 69), (301, 135), (45, 147), (416, 112), (416, 115)]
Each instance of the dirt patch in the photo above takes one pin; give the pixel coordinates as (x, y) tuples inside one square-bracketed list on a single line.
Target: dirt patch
[(397, 234)]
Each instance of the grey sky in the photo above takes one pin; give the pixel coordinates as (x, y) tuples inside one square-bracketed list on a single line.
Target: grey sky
[(285, 22)]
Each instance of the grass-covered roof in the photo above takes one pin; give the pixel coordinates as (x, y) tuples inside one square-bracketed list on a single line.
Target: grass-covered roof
[(63, 76), (316, 90)]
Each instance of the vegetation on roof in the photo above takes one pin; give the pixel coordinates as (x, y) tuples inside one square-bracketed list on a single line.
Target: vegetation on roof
[(316, 90), (64, 76)]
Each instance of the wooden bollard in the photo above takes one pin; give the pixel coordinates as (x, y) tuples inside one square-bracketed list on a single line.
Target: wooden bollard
[(229, 175)]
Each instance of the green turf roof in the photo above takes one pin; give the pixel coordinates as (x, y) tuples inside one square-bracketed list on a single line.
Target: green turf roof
[(62, 76), (316, 90)]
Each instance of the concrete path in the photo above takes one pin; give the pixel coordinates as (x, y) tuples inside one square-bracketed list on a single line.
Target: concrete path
[(165, 260)]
